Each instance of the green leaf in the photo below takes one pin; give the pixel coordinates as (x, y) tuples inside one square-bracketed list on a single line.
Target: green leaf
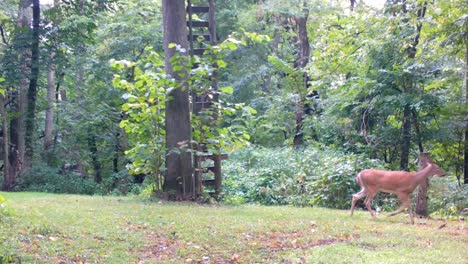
[(227, 90), (231, 45), (221, 64)]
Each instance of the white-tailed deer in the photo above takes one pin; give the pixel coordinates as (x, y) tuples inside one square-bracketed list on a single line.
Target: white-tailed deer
[(401, 183)]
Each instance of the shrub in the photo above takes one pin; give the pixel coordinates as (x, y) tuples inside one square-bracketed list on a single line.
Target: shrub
[(47, 179), (120, 183), (303, 177), (447, 199)]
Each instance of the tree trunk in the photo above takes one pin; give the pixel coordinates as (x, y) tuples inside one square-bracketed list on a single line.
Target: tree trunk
[(49, 117), (353, 4), (18, 98), (178, 178), (32, 90), (417, 127), (94, 157), (406, 138), (421, 198), (301, 63), (8, 179), (80, 50), (408, 88), (49, 139)]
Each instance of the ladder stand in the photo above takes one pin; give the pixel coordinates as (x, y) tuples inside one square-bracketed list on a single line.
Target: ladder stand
[(200, 33)]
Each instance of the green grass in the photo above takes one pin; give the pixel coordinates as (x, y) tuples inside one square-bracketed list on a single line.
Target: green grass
[(50, 228)]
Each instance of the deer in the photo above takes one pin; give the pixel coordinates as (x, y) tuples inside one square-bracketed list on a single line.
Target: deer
[(401, 183)]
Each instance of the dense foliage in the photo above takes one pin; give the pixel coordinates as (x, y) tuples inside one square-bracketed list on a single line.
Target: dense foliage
[(315, 176), (374, 87)]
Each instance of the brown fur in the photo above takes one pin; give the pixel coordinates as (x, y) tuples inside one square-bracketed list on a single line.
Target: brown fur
[(401, 183)]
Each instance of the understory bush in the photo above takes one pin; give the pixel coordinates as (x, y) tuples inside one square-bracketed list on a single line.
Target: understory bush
[(43, 178), (51, 180), (320, 176), (447, 199), (313, 176)]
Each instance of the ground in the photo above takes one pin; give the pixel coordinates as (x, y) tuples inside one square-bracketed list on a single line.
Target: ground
[(47, 228)]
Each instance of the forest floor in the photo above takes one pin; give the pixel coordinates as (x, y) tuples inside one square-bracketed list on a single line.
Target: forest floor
[(51, 228)]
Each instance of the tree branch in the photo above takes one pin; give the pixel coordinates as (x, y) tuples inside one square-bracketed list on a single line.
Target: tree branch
[(2, 32)]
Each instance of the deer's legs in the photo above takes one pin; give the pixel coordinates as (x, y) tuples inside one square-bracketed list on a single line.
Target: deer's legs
[(399, 210), (405, 200), (356, 198), (405, 203), (367, 202)]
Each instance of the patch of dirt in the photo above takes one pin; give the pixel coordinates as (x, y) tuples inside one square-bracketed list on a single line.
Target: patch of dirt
[(444, 226), (295, 240), (160, 247), (367, 246)]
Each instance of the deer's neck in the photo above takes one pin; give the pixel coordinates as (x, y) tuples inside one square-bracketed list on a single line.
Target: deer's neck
[(422, 174)]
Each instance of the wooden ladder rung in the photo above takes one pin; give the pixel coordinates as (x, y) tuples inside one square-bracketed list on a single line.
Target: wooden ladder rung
[(198, 24), (212, 156), (199, 9), (198, 52), (208, 169), (208, 182)]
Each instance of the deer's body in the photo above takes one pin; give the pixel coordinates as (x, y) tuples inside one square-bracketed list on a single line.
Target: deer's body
[(388, 181), (401, 183)]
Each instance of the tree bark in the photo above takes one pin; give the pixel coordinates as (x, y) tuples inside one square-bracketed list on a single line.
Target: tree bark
[(353, 4), (18, 98), (49, 117), (49, 139), (178, 183), (7, 177), (94, 157), (421, 198), (301, 63), (32, 90), (409, 89), (406, 138), (417, 127)]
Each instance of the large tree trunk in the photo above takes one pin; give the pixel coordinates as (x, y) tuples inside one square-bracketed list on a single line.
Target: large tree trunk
[(301, 62), (49, 117), (49, 139), (32, 90), (18, 98), (7, 177), (178, 178)]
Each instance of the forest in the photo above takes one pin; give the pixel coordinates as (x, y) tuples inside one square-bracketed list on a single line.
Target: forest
[(268, 102)]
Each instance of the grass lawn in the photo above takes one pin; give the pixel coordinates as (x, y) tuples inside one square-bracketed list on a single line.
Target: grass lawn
[(50, 228)]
